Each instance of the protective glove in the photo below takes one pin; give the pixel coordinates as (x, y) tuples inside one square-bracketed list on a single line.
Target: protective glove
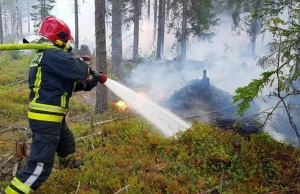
[(98, 75), (86, 58)]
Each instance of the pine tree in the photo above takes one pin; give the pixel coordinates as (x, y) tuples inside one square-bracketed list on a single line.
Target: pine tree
[(191, 18), (242, 19), (42, 10)]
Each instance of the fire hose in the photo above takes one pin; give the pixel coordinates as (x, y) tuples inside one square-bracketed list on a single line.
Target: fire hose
[(31, 46), (34, 46)]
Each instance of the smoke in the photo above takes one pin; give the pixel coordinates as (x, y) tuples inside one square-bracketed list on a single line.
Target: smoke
[(229, 65)]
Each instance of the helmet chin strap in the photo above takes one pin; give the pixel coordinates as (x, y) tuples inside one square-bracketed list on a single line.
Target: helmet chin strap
[(63, 45)]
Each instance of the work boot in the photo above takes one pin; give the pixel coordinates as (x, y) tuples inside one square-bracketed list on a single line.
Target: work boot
[(68, 162)]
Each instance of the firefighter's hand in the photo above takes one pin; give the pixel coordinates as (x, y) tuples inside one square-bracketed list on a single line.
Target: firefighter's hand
[(100, 76), (103, 78), (86, 58)]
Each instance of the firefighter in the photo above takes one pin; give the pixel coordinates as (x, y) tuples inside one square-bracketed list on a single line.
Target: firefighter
[(54, 74)]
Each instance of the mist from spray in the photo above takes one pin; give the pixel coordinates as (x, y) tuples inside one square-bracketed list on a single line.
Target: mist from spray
[(165, 121)]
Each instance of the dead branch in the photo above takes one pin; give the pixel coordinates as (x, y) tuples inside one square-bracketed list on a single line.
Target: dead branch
[(19, 82), (208, 113), (124, 188), (78, 186), (15, 168), (9, 158), (294, 126), (104, 122), (87, 136), (13, 128), (214, 189)]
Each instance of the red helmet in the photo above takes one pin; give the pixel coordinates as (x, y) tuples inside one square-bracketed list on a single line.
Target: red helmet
[(53, 29)]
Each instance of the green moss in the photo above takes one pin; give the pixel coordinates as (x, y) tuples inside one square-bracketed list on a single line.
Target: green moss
[(132, 152)]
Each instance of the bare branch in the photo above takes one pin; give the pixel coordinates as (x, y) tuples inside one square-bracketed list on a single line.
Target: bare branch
[(214, 189), (86, 136), (124, 188), (78, 186), (294, 126), (19, 82)]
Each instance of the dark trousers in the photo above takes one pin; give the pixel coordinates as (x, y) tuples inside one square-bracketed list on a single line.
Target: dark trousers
[(48, 138)]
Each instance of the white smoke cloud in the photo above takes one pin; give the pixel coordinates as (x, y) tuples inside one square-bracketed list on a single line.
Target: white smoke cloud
[(231, 68)]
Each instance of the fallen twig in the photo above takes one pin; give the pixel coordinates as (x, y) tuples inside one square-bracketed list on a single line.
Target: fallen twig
[(216, 188), (14, 127), (9, 158), (86, 136), (15, 83), (124, 188), (208, 113), (78, 186), (16, 166), (104, 122)]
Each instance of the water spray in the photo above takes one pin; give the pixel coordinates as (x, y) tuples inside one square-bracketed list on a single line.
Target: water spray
[(167, 122)]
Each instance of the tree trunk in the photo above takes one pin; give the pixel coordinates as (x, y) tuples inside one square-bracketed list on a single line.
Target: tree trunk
[(101, 93), (155, 21), (116, 38), (1, 26), (148, 10), (13, 24), (136, 32), (184, 32), (17, 20), (5, 26), (161, 29), (168, 9), (43, 14), (76, 25), (20, 19), (255, 28), (28, 9), (255, 31)]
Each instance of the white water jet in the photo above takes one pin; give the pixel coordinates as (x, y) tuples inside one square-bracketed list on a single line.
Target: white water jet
[(167, 122)]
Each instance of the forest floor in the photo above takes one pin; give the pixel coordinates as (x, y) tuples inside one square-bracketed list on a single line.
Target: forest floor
[(125, 154)]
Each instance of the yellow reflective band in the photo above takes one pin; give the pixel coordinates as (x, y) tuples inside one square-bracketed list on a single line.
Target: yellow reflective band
[(37, 83), (45, 117), (9, 190), (48, 108), (36, 93), (21, 186), (75, 83), (63, 99), (38, 80)]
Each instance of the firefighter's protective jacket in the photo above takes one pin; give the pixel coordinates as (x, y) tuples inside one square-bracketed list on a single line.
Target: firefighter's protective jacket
[(54, 74)]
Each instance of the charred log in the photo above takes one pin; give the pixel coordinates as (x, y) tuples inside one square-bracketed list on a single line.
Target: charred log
[(237, 127)]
